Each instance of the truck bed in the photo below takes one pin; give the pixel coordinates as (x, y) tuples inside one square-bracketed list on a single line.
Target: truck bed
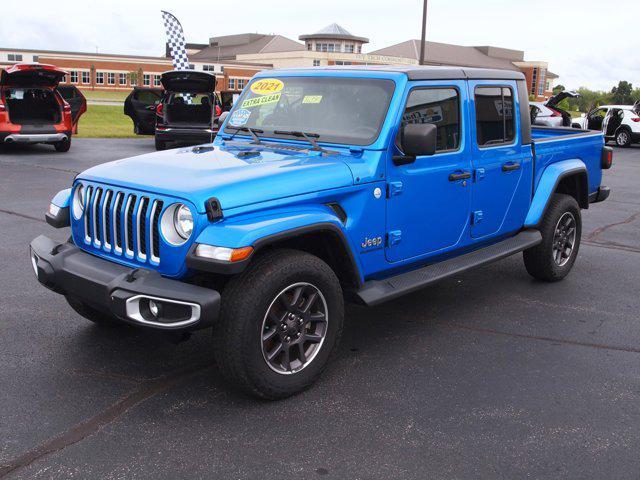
[(554, 144)]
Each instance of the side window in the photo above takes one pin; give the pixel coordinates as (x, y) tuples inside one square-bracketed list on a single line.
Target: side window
[(440, 106), (147, 97), (495, 124)]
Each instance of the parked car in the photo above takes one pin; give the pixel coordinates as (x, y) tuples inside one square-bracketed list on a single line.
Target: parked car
[(548, 114), (185, 111), (620, 123), (33, 108), (324, 185)]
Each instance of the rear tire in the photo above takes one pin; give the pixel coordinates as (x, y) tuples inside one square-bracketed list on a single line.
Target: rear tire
[(63, 145), (92, 314), (281, 321), (561, 228), (623, 138), (161, 145)]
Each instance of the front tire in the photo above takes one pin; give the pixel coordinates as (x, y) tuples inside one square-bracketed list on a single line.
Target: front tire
[(161, 145), (561, 229), (623, 138), (281, 321)]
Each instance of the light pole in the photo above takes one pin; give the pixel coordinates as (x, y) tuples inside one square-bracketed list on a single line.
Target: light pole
[(424, 31)]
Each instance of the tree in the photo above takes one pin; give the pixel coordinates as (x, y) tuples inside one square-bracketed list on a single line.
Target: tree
[(558, 88), (621, 94)]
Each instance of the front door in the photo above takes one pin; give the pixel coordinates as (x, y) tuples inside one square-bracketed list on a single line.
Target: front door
[(595, 118), (141, 106), (497, 156), (428, 200), (76, 101)]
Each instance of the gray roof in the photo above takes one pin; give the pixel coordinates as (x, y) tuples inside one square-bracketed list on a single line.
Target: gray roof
[(447, 54), (334, 31), (227, 47), (414, 72)]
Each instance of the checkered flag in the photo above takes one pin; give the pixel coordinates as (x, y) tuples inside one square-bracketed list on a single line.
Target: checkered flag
[(175, 41)]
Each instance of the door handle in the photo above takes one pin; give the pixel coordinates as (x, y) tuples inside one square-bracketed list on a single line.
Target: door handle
[(510, 166), (454, 177)]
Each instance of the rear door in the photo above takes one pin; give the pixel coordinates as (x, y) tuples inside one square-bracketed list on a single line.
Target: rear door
[(141, 106), (498, 158), (428, 200), (76, 101)]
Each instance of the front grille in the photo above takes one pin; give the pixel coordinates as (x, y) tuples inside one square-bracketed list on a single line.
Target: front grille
[(122, 223)]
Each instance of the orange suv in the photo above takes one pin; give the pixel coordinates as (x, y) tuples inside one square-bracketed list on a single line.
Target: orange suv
[(33, 110)]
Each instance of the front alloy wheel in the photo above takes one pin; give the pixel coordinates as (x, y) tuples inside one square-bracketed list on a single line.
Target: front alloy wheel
[(294, 328), (281, 320)]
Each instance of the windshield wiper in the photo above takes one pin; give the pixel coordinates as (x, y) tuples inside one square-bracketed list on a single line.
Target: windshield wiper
[(252, 131), (309, 137)]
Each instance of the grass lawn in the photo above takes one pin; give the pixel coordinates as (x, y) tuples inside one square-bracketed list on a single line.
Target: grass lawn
[(104, 95), (105, 121)]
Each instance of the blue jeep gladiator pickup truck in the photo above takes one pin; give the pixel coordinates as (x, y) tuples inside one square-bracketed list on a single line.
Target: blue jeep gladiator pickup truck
[(323, 185)]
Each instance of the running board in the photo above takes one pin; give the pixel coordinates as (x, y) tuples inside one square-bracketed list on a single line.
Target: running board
[(374, 292)]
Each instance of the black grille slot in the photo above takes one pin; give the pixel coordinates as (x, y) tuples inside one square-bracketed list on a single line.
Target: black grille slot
[(129, 218), (117, 211), (142, 222), (97, 234), (87, 215), (155, 229), (106, 217)]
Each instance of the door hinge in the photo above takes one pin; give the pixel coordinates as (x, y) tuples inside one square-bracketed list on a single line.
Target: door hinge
[(394, 189), (477, 217), (394, 237)]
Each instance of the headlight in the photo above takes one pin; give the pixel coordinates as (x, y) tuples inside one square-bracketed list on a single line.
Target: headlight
[(78, 201), (183, 221), (177, 224)]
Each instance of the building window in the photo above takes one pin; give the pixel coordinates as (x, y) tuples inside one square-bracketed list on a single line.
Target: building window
[(232, 83), (74, 76), (349, 48), (308, 46), (36, 59), (494, 116), (146, 80), (316, 63), (111, 78), (86, 77), (14, 57), (439, 106), (209, 68), (100, 78), (359, 48), (156, 80), (241, 83), (330, 47), (122, 78)]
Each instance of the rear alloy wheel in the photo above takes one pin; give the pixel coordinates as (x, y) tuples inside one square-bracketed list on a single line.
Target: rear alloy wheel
[(281, 321), (561, 229), (623, 138), (63, 145)]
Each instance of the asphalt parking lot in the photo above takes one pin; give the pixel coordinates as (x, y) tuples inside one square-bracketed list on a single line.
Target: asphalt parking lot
[(486, 375)]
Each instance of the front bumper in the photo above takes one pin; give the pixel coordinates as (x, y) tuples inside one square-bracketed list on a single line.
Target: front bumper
[(35, 137), (185, 135), (122, 291)]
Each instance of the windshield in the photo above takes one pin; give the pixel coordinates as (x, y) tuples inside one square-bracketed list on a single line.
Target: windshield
[(335, 110)]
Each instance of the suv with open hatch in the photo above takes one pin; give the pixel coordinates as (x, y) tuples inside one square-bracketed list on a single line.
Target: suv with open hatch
[(33, 109), (323, 185)]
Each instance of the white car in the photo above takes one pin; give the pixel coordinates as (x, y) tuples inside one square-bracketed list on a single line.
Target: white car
[(547, 114), (618, 122)]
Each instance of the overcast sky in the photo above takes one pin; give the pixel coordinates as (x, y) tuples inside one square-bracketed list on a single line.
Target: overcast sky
[(591, 43)]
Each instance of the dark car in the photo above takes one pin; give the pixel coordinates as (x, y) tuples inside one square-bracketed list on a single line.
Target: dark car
[(185, 111), (34, 109)]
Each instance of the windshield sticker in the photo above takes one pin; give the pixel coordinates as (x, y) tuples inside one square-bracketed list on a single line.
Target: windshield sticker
[(239, 117), (258, 101), (267, 86), (312, 99)]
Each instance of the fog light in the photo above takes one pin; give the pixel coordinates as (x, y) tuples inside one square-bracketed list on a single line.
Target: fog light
[(154, 308), (34, 262)]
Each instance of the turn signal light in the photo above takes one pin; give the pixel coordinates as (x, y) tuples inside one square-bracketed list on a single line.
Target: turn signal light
[(159, 110), (637, 119), (223, 254)]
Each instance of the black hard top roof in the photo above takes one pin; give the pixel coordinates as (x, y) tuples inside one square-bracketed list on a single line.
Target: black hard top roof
[(416, 72)]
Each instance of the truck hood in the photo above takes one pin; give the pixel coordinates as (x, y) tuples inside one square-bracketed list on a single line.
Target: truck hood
[(236, 175)]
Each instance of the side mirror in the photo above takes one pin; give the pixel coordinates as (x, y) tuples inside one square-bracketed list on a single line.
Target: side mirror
[(223, 116), (417, 140)]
